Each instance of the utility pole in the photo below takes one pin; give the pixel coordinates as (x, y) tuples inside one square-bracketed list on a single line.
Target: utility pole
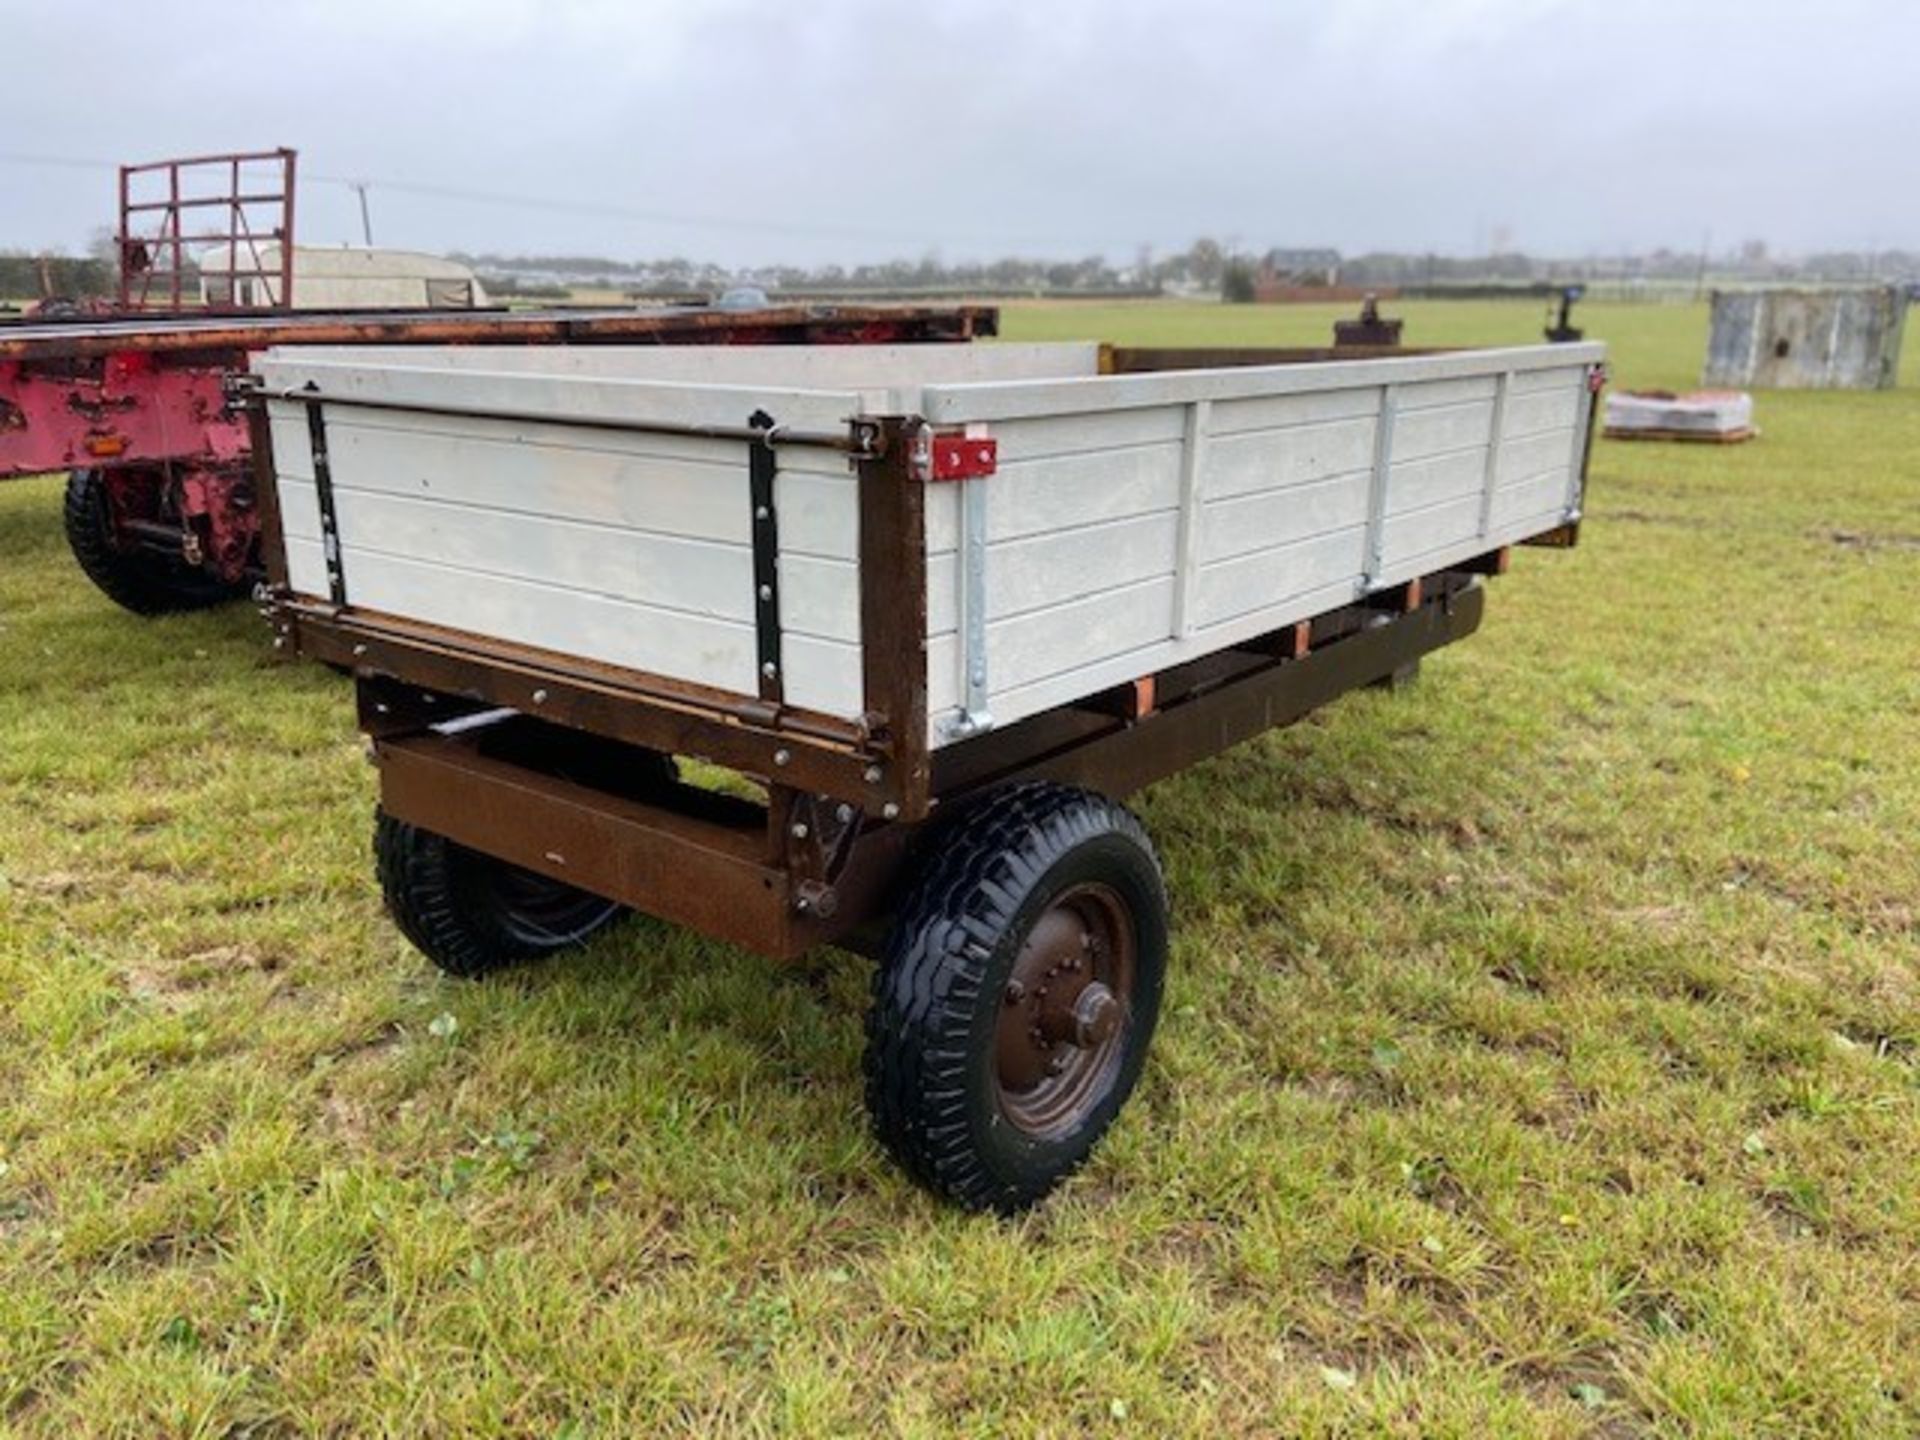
[(366, 219)]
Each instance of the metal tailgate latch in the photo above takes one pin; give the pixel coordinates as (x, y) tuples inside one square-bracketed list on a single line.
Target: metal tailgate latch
[(953, 455), (969, 458)]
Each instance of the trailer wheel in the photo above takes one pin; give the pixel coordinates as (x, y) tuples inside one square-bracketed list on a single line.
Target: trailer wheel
[(139, 580), (472, 914), (1013, 1010)]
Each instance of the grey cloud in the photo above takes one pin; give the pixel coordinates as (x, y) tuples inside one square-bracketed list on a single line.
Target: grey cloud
[(754, 130)]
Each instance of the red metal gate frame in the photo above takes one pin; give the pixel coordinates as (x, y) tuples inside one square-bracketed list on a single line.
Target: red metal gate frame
[(155, 235)]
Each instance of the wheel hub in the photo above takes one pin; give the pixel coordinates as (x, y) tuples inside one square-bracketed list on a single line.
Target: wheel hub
[(1064, 1011)]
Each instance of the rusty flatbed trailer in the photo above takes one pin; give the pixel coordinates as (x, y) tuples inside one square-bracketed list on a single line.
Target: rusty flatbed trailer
[(160, 506), (83, 337), (941, 605)]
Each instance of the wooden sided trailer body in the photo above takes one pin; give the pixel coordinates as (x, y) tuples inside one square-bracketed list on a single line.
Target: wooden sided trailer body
[(940, 606)]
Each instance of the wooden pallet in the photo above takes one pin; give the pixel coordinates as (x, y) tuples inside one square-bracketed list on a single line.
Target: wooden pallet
[(1699, 437)]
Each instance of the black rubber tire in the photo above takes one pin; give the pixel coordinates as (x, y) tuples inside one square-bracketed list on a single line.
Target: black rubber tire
[(137, 580), (930, 1034), (472, 914)]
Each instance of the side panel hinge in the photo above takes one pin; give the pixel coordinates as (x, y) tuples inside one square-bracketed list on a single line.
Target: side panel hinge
[(762, 466)]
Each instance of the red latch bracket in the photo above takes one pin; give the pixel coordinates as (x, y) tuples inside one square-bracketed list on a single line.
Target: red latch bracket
[(964, 457)]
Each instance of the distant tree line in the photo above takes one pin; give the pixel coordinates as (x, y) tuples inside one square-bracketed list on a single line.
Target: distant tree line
[(25, 276), (1208, 265)]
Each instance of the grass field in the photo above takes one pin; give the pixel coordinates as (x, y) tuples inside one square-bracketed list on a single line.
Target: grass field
[(1540, 1053)]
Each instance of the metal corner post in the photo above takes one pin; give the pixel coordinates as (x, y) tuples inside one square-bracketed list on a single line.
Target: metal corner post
[(893, 614), (1496, 436), (975, 717), (1586, 421), (245, 392), (1377, 492)]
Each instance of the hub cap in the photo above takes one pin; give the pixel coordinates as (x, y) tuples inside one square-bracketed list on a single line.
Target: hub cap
[(1063, 1015)]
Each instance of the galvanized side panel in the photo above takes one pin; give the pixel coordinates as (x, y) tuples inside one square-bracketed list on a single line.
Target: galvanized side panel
[(627, 547), (1200, 509), (1079, 526), (995, 401)]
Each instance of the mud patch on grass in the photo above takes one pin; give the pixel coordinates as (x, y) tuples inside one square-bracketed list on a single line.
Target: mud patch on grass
[(172, 983), (228, 960), (49, 885), (1649, 517), (1860, 541)]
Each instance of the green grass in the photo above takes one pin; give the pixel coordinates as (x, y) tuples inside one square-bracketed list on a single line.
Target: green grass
[(1539, 1056)]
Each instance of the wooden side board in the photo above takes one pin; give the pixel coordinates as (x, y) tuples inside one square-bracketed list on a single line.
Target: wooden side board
[(1187, 512), (1132, 522)]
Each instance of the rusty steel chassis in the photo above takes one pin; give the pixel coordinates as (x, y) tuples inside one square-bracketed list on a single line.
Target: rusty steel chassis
[(848, 803)]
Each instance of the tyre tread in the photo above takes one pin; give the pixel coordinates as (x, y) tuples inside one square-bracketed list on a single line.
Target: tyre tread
[(144, 584), (953, 917), (417, 878)]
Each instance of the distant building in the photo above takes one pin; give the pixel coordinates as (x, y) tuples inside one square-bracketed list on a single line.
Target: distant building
[(347, 277), (1293, 275), (1300, 267)]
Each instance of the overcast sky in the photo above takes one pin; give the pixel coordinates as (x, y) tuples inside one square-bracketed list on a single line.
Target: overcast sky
[(809, 130)]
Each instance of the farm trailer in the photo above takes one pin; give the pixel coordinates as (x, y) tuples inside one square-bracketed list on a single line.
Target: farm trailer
[(160, 507), (940, 605)]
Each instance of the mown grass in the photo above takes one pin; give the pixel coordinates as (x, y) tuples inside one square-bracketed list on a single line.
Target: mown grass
[(1539, 1056)]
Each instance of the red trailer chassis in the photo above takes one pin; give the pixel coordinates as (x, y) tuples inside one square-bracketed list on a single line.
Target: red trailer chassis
[(161, 509)]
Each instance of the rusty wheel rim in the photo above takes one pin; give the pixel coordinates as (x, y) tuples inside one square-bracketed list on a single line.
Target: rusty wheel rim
[(1065, 1011)]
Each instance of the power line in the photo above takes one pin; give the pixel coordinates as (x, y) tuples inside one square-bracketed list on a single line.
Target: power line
[(606, 210), (597, 208)]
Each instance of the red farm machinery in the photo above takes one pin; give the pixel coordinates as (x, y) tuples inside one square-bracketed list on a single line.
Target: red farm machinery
[(131, 397)]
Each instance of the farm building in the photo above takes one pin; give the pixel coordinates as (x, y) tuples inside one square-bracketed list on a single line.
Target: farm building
[(355, 277)]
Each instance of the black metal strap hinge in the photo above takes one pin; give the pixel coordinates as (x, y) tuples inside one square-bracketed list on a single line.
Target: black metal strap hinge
[(762, 465), (323, 492)]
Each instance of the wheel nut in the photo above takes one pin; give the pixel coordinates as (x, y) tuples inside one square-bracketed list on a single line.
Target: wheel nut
[(1096, 1016), (1016, 992)]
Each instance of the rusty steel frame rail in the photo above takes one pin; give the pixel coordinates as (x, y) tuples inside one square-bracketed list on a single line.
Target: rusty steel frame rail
[(1146, 359), (808, 749), (799, 872), (74, 340), (713, 873)]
